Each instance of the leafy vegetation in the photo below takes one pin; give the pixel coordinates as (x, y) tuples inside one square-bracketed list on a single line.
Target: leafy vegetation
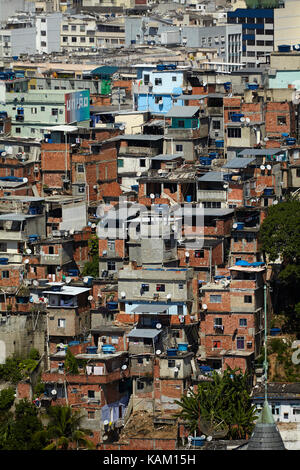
[(7, 398), (279, 235), (220, 404), (91, 268), (71, 365), (262, 3), (16, 369)]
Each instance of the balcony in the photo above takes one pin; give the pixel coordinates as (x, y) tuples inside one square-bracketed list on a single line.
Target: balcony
[(178, 133), (141, 89)]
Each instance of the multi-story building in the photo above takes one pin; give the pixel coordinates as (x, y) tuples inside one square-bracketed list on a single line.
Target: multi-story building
[(48, 33), (257, 33)]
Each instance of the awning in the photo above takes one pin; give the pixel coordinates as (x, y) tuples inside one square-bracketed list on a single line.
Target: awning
[(143, 333)]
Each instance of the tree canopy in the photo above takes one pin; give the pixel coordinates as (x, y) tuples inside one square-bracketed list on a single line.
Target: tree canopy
[(220, 405)]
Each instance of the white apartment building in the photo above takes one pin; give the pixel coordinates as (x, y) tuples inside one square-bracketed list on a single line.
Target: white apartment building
[(48, 33)]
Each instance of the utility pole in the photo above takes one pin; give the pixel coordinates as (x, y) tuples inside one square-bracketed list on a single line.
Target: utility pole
[(266, 358)]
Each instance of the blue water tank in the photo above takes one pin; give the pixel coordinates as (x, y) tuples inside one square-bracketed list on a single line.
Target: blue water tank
[(182, 346), (284, 48), (189, 198), (91, 350), (171, 352)]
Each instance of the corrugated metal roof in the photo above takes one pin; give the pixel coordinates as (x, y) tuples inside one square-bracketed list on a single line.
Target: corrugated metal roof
[(239, 162), (182, 111), (213, 176), (143, 333), (167, 157), (150, 308), (217, 212), (269, 151), (105, 70)]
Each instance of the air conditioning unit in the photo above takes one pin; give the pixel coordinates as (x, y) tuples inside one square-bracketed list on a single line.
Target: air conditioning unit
[(36, 169)]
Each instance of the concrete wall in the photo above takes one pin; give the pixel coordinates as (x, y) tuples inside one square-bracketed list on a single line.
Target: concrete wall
[(21, 333)]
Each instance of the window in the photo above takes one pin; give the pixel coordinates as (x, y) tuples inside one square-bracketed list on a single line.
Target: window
[(5, 274), (216, 125), (218, 322), (91, 414), (160, 288), (285, 416), (171, 363), (142, 163), (215, 299), (174, 78), (18, 130), (91, 393), (54, 111), (65, 39), (3, 247), (146, 79), (181, 124), (82, 39), (180, 285), (120, 163), (145, 287), (81, 188), (51, 250), (140, 385), (298, 173), (61, 323), (43, 33), (248, 299), (243, 322), (234, 132), (111, 265), (281, 120), (111, 245), (240, 342), (80, 168), (42, 108), (158, 81), (74, 39), (179, 148), (92, 39), (32, 130), (82, 28), (43, 44), (33, 110), (73, 27), (199, 253), (216, 344), (65, 27), (275, 410), (179, 309)]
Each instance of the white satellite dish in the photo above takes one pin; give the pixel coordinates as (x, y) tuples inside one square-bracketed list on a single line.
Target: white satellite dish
[(248, 119), (204, 83), (72, 231), (173, 227), (225, 186), (176, 369), (3, 154), (123, 294), (269, 167), (204, 306), (169, 296), (234, 225), (26, 261), (158, 352), (105, 422), (158, 326), (139, 173), (28, 251), (35, 283), (68, 280), (262, 167), (242, 119), (152, 196), (209, 438), (53, 392), (124, 367), (25, 180), (187, 254), (90, 297), (85, 279), (275, 202), (266, 139), (93, 225)]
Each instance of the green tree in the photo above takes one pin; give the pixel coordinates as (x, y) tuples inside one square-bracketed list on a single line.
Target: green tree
[(279, 236), (71, 365), (64, 429), (222, 404), (91, 268), (22, 432), (7, 398)]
